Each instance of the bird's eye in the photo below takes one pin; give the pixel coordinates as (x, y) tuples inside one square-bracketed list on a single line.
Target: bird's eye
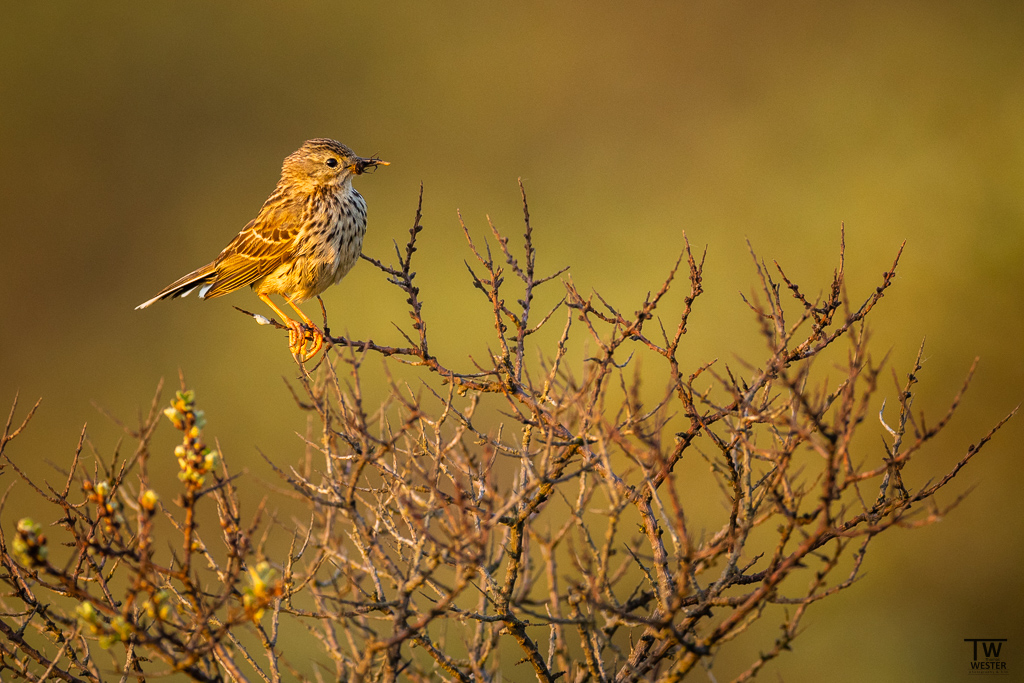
[(332, 162)]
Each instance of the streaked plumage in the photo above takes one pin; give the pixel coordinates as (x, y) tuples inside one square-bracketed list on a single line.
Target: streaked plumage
[(306, 237)]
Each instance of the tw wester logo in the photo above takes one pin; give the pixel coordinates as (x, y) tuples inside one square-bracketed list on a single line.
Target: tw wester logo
[(987, 653)]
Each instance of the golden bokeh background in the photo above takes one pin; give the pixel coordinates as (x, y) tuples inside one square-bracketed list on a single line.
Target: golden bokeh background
[(137, 138)]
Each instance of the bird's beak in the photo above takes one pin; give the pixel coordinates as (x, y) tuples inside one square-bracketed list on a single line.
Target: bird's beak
[(363, 165)]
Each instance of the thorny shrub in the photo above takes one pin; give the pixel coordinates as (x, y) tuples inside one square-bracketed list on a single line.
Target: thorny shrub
[(438, 544)]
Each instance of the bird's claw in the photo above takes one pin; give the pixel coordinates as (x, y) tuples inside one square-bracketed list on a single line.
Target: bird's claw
[(297, 337)]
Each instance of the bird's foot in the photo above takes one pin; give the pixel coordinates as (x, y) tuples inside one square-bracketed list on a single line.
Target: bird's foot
[(298, 335)]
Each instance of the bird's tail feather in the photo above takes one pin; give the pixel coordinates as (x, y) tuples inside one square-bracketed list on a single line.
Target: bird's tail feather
[(202, 277)]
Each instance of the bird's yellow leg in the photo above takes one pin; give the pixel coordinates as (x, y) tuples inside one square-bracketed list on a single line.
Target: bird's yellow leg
[(296, 335), (317, 341)]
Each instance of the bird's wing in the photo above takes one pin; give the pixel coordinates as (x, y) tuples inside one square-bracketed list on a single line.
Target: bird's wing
[(263, 245)]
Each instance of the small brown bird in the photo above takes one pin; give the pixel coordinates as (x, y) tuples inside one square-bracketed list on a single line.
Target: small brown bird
[(307, 236)]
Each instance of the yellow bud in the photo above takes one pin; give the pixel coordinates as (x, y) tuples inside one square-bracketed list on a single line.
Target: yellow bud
[(175, 417), (148, 500), (212, 460)]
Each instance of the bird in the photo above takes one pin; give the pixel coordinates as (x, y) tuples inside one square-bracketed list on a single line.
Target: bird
[(307, 237)]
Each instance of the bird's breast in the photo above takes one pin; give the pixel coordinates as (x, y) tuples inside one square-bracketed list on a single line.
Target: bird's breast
[(331, 242)]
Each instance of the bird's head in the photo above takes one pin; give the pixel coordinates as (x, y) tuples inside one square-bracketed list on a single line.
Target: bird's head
[(322, 162)]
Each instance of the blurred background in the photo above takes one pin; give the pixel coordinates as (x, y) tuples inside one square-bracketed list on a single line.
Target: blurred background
[(136, 140)]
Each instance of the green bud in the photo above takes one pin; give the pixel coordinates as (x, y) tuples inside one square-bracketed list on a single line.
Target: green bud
[(86, 612), (122, 627), (26, 525)]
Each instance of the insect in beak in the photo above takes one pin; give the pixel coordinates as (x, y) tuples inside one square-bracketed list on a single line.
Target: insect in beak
[(363, 165)]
